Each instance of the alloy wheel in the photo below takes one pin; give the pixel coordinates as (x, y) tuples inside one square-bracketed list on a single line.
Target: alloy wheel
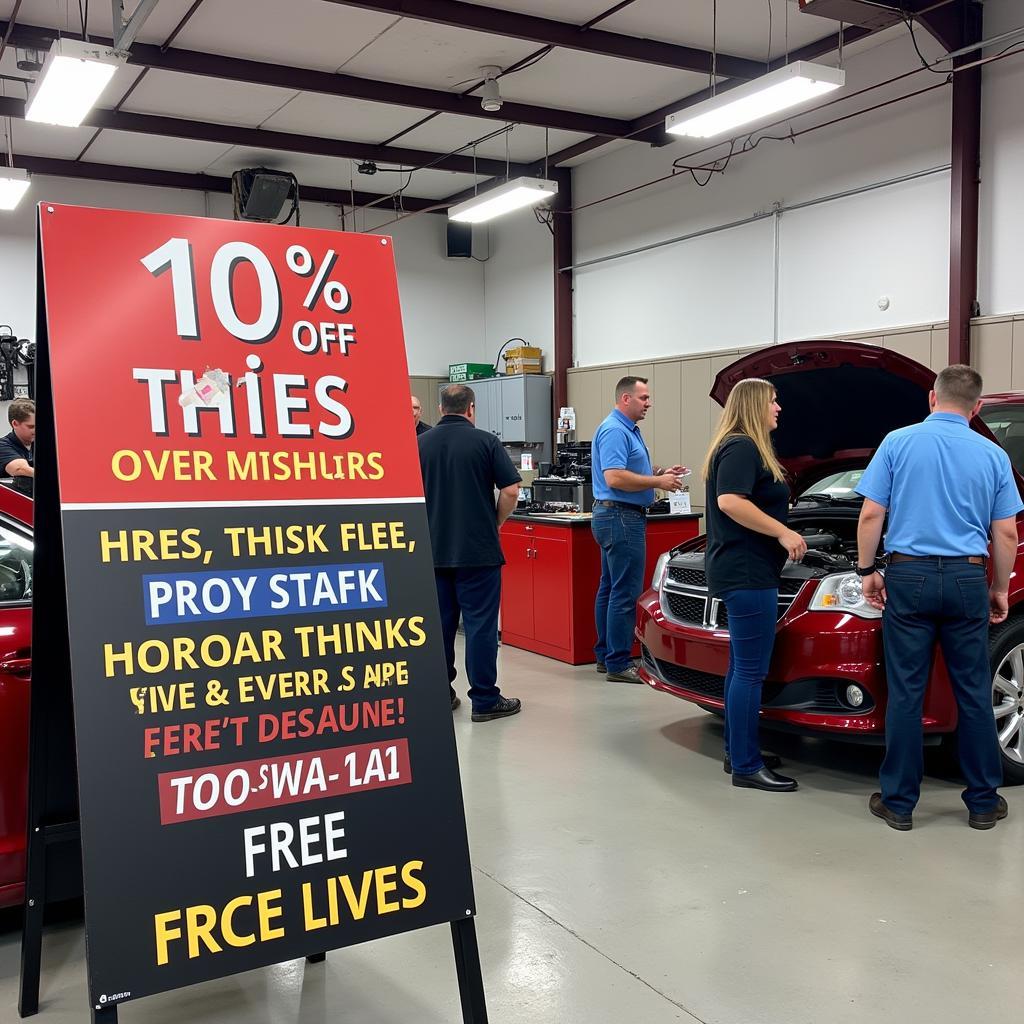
[(1008, 704)]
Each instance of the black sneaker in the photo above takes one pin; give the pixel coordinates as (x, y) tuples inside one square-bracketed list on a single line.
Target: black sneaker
[(455, 702), (506, 706), (601, 668)]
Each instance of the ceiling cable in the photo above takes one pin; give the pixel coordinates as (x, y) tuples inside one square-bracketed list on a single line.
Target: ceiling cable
[(714, 45), (785, 7)]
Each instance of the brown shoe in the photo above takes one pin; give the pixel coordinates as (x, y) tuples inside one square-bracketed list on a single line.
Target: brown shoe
[(627, 675), (988, 819), (900, 822)]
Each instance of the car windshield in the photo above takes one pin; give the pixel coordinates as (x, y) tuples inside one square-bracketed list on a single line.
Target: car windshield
[(1007, 425), (837, 485)]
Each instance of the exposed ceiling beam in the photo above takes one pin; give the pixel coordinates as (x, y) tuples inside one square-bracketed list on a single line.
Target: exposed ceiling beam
[(284, 142), (946, 20), (559, 33), (198, 182), (237, 69)]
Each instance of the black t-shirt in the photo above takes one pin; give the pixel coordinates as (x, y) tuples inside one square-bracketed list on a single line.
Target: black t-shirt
[(461, 468), (12, 449), (739, 558)]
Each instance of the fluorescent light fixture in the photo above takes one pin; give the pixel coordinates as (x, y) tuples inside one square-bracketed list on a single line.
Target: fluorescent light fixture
[(73, 77), (13, 185), (513, 195), (785, 87)]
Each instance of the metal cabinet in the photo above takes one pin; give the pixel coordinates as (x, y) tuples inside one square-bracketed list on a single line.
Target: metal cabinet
[(515, 409)]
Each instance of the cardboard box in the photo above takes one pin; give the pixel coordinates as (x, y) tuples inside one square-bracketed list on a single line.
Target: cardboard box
[(523, 359), (459, 373)]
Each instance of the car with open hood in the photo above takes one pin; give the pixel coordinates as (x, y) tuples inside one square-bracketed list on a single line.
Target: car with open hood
[(827, 673)]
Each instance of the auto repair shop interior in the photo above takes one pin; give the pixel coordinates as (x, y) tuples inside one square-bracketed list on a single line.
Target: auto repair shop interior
[(847, 248)]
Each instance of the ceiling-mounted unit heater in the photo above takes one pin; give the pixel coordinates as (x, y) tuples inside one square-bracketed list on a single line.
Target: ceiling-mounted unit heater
[(261, 194)]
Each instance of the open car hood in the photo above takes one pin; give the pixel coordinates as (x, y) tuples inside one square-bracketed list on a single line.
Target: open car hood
[(839, 399)]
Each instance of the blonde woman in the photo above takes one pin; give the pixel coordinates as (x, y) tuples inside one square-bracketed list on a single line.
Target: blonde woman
[(748, 541)]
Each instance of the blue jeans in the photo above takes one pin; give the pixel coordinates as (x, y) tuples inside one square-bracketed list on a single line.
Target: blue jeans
[(752, 618), (622, 537), (931, 600), (476, 595)]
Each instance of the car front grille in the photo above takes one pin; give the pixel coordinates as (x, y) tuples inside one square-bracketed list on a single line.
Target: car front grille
[(685, 598)]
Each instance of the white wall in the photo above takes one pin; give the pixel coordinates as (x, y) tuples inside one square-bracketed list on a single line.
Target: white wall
[(519, 283), (442, 299), (1001, 229), (836, 259)]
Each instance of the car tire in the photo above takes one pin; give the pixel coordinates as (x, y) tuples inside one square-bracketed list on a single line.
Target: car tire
[(1006, 656)]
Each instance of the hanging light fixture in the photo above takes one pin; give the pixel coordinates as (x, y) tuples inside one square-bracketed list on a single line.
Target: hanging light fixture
[(781, 89), (512, 195), (74, 75)]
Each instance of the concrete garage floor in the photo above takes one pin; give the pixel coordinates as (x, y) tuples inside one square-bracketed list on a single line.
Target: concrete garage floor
[(620, 878)]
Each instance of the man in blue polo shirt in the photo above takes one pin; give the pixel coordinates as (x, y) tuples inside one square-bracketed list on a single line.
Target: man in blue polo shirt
[(624, 483), (947, 490)]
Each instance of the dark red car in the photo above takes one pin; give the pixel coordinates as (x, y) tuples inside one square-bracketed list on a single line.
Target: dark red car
[(15, 670), (827, 674)]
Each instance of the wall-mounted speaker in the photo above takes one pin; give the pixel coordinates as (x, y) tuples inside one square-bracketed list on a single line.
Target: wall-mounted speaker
[(460, 240)]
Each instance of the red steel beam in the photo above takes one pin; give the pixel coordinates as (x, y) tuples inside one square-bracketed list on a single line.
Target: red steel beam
[(459, 14), (562, 246), (194, 182), (965, 137), (261, 138)]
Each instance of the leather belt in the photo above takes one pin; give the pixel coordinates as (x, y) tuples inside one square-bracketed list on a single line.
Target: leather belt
[(973, 559), (628, 506)]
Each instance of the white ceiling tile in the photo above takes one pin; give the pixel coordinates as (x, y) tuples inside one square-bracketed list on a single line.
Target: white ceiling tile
[(297, 33), (63, 15), (448, 132), (571, 80), (436, 56), (335, 117), (742, 25), (132, 150), (205, 99), (47, 140)]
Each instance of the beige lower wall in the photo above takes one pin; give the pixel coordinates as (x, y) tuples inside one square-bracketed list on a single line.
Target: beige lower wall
[(682, 417), (426, 390)]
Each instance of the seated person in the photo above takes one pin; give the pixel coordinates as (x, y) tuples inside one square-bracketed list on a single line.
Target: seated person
[(16, 449)]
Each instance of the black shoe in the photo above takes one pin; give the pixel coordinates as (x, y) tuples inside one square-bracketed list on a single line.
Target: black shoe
[(772, 761), (767, 780), (506, 706), (988, 819), (900, 822), (455, 702), (626, 675), (601, 669)]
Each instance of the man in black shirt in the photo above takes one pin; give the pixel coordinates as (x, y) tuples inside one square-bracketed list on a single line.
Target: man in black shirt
[(16, 454), (417, 412), (462, 467)]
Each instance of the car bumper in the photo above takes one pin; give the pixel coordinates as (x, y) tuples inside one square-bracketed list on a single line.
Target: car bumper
[(817, 656)]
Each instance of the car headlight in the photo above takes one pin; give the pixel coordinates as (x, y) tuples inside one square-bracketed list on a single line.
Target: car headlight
[(843, 592), (660, 568)]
